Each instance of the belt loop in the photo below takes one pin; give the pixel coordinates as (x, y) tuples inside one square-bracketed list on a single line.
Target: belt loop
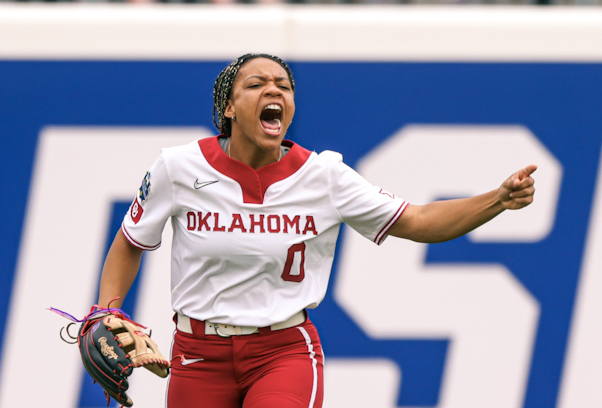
[(198, 327)]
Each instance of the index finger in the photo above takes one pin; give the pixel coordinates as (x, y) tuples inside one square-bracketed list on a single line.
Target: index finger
[(527, 171)]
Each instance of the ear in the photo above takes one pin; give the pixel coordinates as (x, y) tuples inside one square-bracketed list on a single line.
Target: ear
[(230, 111)]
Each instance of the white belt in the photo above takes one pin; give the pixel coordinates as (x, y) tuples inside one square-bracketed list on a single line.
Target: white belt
[(226, 330)]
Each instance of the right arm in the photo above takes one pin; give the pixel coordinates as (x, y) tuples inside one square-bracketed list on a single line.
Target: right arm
[(119, 271), (442, 221)]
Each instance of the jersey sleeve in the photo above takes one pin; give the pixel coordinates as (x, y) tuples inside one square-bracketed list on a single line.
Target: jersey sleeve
[(144, 222), (366, 208)]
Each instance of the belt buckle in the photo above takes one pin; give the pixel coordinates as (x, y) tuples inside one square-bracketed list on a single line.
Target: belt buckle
[(225, 336)]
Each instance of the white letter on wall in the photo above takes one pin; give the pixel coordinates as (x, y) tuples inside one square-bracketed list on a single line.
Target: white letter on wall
[(489, 317), (79, 172)]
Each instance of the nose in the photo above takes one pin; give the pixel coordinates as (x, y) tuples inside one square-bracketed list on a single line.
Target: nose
[(272, 90)]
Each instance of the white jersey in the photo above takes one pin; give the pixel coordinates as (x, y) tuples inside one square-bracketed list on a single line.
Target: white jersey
[(253, 247)]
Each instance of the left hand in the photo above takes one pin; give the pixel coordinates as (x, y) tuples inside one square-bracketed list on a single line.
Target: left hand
[(518, 190)]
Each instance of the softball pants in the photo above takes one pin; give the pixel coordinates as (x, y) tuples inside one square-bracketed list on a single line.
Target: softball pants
[(269, 369)]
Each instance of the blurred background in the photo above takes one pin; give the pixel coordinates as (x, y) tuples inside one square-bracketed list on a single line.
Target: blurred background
[(428, 101), (514, 2)]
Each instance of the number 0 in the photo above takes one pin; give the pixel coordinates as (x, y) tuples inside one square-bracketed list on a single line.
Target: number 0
[(290, 257)]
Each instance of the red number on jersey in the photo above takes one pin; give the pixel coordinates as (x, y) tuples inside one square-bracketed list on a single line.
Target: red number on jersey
[(296, 276)]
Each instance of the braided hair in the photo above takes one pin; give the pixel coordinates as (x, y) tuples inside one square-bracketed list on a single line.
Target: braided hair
[(222, 89)]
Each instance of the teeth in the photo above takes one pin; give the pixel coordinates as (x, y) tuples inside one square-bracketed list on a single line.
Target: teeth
[(278, 120), (273, 106)]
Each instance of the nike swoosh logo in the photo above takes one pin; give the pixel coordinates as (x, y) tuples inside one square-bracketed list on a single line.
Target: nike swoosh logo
[(198, 185), (186, 361)]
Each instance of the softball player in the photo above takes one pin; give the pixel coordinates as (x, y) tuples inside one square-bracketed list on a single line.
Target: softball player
[(255, 221)]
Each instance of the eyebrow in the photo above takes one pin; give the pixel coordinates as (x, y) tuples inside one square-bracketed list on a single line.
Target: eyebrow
[(265, 79)]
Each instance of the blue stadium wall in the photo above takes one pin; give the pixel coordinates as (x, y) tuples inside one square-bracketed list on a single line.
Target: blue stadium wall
[(429, 100)]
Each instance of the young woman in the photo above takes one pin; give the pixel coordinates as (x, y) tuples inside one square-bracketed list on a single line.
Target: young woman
[(255, 220)]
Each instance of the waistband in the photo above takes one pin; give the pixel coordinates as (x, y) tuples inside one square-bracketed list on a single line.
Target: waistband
[(185, 324)]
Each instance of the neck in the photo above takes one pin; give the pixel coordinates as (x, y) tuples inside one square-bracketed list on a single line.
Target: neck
[(252, 155)]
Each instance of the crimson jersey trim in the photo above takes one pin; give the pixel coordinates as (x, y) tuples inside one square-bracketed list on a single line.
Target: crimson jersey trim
[(136, 243), (254, 183), (385, 230)]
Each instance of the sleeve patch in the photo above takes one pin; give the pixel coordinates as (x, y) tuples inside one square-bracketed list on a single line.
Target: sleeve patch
[(145, 188), (136, 211)]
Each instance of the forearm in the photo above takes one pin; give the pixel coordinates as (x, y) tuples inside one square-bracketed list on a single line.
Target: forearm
[(119, 271), (441, 221)]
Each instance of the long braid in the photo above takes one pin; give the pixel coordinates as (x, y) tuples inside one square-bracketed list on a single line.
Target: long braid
[(222, 89)]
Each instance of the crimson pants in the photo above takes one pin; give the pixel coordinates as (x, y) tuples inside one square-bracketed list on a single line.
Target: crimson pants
[(270, 369)]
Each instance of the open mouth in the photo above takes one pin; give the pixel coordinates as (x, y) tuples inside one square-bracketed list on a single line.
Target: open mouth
[(271, 119)]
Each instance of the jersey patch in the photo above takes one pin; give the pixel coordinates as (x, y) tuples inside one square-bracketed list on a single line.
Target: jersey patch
[(145, 188), (136, 211)]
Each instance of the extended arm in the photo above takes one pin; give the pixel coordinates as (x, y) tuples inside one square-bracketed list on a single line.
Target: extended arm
[(119, 271), (445, 220)]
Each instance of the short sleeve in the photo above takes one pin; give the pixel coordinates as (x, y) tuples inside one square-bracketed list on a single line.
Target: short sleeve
[(144, 222), (366, 208)]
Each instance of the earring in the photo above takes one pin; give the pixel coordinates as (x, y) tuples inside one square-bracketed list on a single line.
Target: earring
[(233, 118)]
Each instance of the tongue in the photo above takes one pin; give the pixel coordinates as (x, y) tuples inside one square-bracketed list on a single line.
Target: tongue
[(272, 124)]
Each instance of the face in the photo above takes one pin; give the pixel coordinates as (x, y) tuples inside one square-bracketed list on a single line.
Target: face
[(263, 104)]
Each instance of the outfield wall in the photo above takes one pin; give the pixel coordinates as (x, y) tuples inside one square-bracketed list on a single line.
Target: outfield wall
[(426, 102)]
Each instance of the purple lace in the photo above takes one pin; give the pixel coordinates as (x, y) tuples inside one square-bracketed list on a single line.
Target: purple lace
[(93, 313)]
